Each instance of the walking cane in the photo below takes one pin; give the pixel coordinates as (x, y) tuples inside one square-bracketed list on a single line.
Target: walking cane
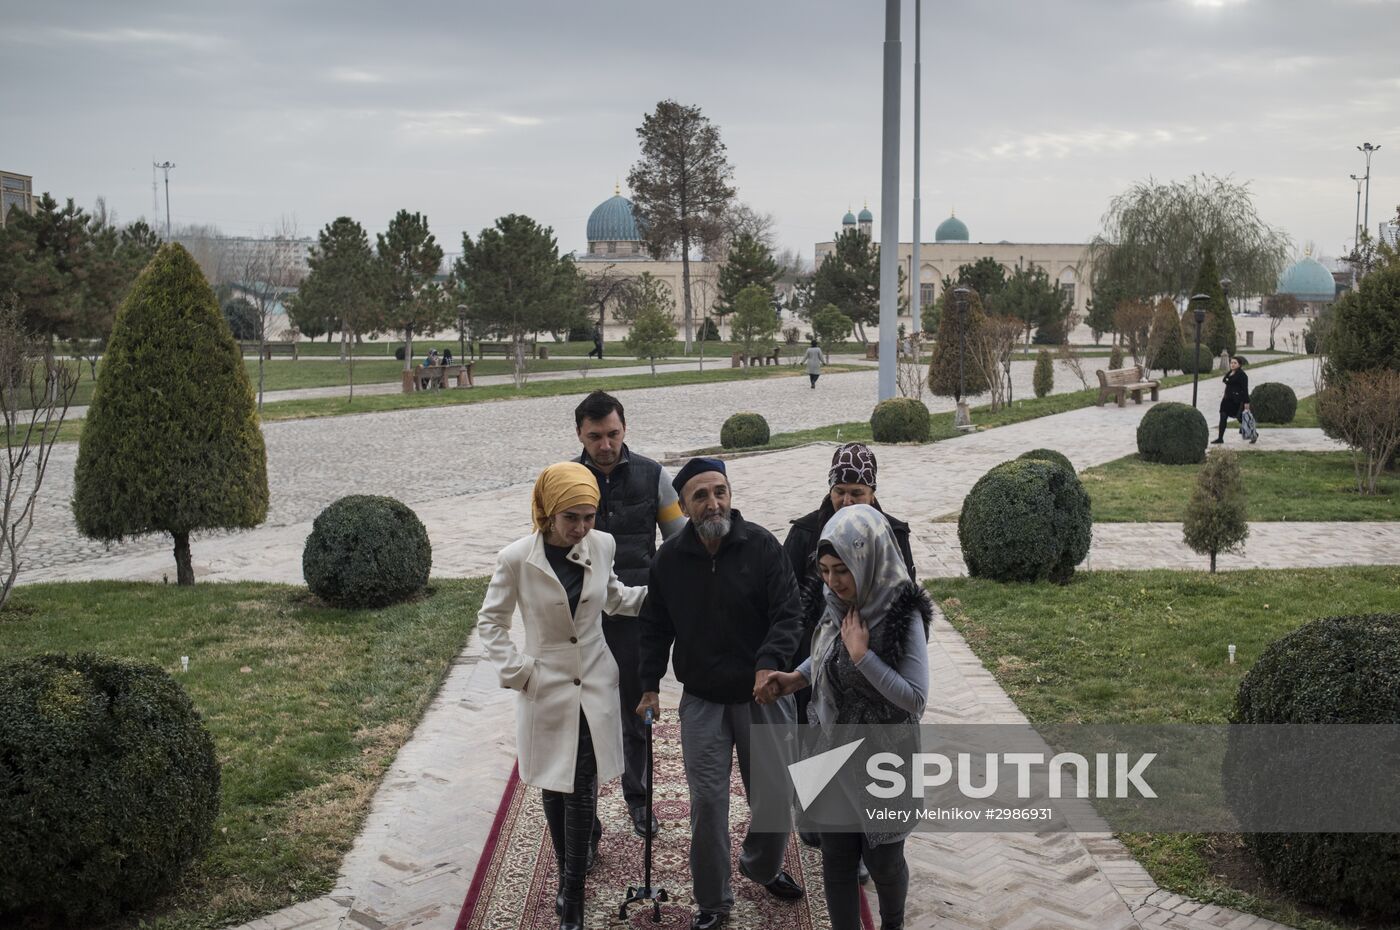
[(637, 895)]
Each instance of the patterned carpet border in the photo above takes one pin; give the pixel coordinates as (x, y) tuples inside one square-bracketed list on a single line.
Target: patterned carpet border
[(515, 880)]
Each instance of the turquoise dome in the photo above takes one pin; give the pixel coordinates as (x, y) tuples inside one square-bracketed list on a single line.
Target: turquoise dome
[(1308, 280), (951, 230), (866, 216), (613, 221), (849, 219)]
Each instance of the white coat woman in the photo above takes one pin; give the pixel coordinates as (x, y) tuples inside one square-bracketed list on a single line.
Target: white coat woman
[(567, 724)]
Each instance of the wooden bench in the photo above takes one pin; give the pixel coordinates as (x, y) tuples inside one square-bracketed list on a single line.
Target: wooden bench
[(774, 357), (506, 349), (270, 349), (419, 378), (1125, 381)]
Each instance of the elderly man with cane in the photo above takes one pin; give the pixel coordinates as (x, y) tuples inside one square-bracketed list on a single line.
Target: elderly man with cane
[(723, 609)]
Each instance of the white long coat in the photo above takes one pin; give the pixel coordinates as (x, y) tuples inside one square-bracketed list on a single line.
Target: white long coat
[(566, 663)]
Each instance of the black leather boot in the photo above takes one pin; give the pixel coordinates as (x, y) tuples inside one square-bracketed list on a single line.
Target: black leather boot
[(553, 803), (578, 840)]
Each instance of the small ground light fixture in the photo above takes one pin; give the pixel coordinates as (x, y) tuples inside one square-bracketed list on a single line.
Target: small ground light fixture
[(185, 660), (1232, 653)]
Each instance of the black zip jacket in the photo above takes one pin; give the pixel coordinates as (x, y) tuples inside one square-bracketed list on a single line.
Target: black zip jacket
[(1236, 392), (727, 615)]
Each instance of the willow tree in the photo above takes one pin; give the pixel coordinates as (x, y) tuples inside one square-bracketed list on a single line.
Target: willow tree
[(171, 442), (1156, 236)]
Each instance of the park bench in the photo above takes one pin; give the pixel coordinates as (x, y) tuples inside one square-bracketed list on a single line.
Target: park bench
[(270, 349), (506, 349), (419, 378), (1123, 381), (774, 357)]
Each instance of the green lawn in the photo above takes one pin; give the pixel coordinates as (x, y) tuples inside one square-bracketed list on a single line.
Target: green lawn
[(1280, 486), (307, 706), (1148, 648)]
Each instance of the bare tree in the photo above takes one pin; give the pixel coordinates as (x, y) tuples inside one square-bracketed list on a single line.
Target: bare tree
[(608, 287), (35, 392), (1363, 411), (739, 219), (1280, 307), (909, 371), (990, 351), (266, 271), (1133, 321)]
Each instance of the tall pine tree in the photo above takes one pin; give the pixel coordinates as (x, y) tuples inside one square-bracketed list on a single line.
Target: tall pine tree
[(944, 377), (849, 278), (343, 289), (409, 259), (1165, 347)]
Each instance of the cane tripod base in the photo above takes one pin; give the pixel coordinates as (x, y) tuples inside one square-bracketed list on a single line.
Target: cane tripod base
[(640, 896)]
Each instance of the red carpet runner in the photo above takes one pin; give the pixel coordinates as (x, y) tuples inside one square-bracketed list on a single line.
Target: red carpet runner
[(515, 881)]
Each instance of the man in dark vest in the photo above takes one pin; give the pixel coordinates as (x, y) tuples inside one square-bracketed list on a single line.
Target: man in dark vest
[(636, 498)]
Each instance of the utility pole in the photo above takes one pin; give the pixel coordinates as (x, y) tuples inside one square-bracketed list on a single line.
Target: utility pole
[(889, 205), (166, 166), (915, 271), (1367, 149)]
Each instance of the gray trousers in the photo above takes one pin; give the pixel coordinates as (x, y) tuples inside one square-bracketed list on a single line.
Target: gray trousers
[(711, 734)]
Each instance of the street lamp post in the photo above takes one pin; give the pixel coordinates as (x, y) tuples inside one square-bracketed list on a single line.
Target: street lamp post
[(462, 332), (962, 419), (1357, 225), (1368, 150), (1198, 306)]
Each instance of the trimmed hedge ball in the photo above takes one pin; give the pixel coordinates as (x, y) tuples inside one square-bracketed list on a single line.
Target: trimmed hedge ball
[(1025, 520), (900, 419), (1049, 455), (1272, 402), (367, 551), (1173, 434), (109, 785), (743, 430), (1337, 670)]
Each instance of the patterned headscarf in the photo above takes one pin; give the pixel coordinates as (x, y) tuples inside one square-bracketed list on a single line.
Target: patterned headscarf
[(853, 463), (560, 487)]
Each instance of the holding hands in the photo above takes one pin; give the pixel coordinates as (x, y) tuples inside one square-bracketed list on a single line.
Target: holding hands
[(770, 684)]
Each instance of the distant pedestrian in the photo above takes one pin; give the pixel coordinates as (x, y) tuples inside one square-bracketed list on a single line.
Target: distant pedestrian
[(597, 342), (814, 360), (1236, 399)]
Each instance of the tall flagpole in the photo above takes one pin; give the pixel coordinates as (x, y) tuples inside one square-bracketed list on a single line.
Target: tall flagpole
[(916, 294), (889, 205)]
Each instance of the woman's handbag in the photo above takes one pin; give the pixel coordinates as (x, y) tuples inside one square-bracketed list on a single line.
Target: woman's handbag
[(1248, 428)]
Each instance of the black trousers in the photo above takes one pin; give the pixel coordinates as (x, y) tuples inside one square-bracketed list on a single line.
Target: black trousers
[(842, 854), (814, 379), (624, 638)]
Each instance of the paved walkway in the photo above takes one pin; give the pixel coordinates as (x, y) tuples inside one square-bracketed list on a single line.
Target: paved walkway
[(414, 859), (484, 447)]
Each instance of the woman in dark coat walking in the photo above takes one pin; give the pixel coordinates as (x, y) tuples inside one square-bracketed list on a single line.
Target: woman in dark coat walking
[(1236, 399)]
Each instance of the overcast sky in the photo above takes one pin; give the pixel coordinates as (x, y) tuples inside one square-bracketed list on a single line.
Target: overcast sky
[(1035, 113)]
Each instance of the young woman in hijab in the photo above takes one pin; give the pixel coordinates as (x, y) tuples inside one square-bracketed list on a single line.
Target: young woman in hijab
[(869, 665), (567, 724), (1236, 399)]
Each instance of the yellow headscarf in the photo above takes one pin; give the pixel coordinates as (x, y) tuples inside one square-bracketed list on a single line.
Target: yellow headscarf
[(559, 487)]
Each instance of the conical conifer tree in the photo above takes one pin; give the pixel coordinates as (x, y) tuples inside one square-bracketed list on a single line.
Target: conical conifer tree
[(1164, 343), (943, 371), (1219, 330), (171, 442)]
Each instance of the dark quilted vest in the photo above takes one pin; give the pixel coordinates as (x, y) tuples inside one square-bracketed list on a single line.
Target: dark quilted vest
[(629, 514)]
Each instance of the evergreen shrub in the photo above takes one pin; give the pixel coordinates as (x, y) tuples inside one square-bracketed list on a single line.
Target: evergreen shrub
[(743, 430), (1043, 379), (1173, 434), (1336, 670), (1025, 520), (900, 419), (1049, 455), (367, 551), (109, 786), (1272, 402)]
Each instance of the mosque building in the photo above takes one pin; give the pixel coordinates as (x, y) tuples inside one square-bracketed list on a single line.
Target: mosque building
[(1310, 282), (1067, 263), (615, 248)]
